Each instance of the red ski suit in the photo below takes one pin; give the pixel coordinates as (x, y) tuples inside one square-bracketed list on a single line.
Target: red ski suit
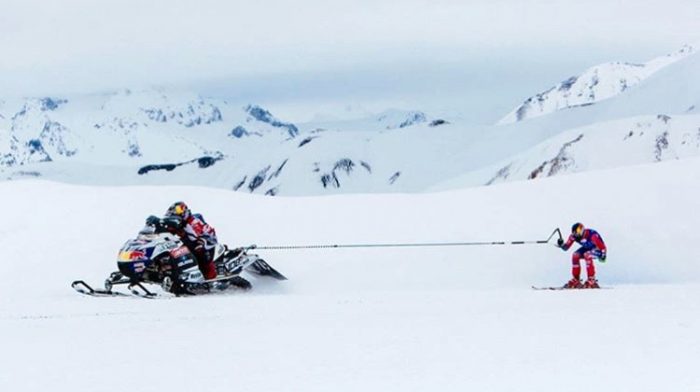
[(201, 239), (591, 245)]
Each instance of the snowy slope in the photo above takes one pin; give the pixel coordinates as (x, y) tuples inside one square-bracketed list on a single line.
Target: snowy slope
[(628, 141), (448, 319), (593, 85)]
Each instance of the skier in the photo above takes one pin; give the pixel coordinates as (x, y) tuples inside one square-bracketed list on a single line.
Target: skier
[(592, 245), (197, 235)]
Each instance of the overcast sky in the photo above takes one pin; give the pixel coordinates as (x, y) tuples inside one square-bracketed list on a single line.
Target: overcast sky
[(315, 47)]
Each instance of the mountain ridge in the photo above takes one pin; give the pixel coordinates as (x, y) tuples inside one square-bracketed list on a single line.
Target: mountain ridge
[(595, 84), (158, 136)]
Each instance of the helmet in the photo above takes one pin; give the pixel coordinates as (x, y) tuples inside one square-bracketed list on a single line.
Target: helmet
[(577, 230), (179, 209)]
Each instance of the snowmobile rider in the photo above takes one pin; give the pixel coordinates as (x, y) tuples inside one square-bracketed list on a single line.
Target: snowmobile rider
[(592, 246), (197, 235)]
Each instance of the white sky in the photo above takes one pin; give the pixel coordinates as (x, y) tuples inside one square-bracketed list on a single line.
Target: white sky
[(87, 45)]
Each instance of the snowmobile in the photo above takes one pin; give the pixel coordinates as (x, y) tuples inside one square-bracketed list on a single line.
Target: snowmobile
[(156, 256)]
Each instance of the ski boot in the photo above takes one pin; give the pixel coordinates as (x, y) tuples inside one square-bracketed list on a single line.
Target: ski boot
[(591, 283), (573, 284)]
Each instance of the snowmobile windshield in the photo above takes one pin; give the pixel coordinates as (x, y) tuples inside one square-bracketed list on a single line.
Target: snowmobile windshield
[(147, 232)]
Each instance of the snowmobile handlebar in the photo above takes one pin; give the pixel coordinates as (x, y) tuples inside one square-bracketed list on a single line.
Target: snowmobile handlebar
[(164, 224), (171, 222)]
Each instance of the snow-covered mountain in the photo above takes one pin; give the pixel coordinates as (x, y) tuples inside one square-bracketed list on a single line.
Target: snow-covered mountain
[(606, 145), (593, 85), (156, 136), (629, 141), (656, 121), (32, 136), (167, 137)]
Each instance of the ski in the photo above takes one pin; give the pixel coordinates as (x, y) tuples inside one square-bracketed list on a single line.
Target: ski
[(552, 288), (557, 288)]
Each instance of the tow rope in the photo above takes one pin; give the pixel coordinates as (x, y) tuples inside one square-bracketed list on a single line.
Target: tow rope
[(416, 244)]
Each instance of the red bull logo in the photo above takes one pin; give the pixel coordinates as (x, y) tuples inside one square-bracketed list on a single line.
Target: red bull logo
[(131, 255)]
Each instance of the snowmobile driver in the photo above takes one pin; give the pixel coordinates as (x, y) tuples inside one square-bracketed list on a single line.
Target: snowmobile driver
[(197, 235), (592, 246)]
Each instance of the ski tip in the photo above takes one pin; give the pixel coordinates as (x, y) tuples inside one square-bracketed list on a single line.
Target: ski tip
[(82, 287)]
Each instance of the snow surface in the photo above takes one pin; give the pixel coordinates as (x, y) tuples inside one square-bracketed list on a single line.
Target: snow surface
[(422, 319)]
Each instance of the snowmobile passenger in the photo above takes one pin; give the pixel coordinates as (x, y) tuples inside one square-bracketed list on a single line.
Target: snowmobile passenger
[(592, 246), (197, 235)]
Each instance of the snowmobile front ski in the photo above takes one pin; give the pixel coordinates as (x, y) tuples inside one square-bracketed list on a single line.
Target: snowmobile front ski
[(84, 288), (136, 289), (139, 290)]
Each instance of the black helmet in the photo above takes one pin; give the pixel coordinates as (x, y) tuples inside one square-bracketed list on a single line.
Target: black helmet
[(577, 230), (179, 209)]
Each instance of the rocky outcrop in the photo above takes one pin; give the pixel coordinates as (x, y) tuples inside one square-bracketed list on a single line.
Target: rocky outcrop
[(396, 119), (33, 136), (331, 179), (203, 163), (193, 114), (559, 163), (256, 113), (127, 129)]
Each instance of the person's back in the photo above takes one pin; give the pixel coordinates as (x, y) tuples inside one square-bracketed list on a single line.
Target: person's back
[(197, 235)]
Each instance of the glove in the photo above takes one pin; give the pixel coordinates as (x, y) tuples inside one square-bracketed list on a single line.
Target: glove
[(199, 246), (152, 220), (602, 256), (172, 222), (560, 242)]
